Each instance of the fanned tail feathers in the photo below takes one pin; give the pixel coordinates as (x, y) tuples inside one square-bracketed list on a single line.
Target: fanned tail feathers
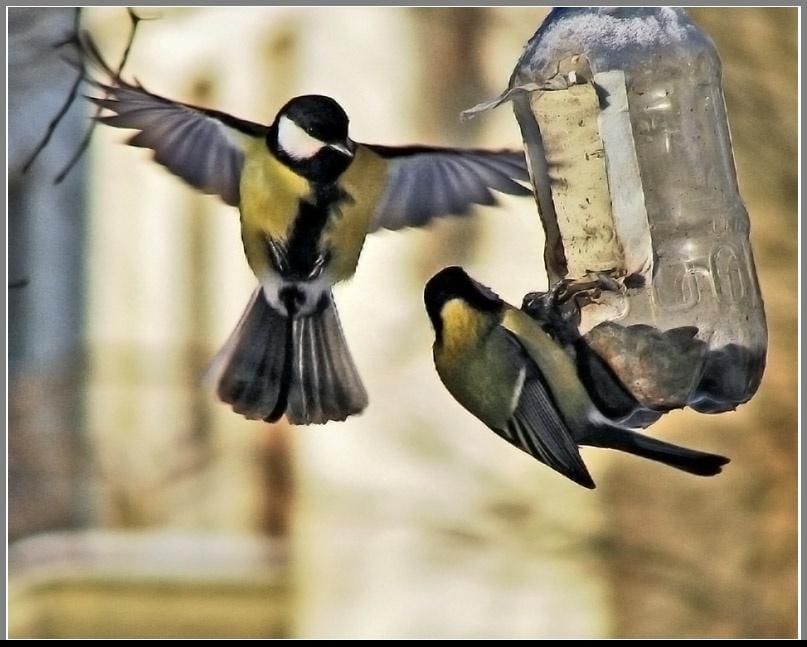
[(326, 385), (263, 371)]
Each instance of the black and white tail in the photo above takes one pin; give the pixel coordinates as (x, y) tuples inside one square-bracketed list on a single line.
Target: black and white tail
[(272, 365), (627, 440)]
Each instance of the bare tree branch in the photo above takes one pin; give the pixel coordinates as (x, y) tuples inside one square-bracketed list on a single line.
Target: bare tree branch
[(72, 39), (85, 47), (115, 77)]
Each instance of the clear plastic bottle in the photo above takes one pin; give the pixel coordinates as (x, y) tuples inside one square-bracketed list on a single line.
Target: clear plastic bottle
[(689, 328)]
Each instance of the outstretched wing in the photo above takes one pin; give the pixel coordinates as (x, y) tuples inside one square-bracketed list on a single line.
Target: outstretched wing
[(425, 182), (204, 147)]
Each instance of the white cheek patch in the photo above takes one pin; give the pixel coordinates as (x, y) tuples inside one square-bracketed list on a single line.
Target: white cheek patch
[(295, 141)]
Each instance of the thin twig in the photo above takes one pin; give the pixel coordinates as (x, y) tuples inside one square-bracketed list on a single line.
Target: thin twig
[(115, 78), (71, 97)]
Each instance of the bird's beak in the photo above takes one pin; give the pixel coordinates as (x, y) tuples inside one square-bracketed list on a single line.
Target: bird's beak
[(342, 147)]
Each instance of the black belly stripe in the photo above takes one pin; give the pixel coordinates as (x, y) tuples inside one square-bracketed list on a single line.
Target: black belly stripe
[(303, 247)]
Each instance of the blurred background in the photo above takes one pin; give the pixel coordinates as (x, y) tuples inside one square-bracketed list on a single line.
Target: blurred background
[(139, 506)]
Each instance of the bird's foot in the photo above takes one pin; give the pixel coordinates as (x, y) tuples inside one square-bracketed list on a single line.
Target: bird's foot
[(560, 306), (586, 289), (319, 264)]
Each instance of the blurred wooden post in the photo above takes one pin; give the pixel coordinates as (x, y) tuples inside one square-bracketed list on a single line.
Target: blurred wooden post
[(276, 470), (452, 46)]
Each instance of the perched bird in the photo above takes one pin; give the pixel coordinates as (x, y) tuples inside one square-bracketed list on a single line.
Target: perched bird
[(308, 196), (507, 371)]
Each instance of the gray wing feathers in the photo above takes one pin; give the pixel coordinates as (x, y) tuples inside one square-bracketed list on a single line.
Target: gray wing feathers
[(537, 428), (441, 182), (193, 143)]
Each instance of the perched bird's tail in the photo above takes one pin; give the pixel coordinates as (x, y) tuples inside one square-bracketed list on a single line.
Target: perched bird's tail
[(272, 365), (627, 440)]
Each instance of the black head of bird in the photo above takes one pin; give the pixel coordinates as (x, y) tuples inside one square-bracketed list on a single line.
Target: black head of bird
[(310, 134), (454, 283)]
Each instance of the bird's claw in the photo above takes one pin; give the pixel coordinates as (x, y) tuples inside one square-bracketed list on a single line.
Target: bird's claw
[(588, 287), (561, 304), (278, 256), (319, 265), (547, 309)]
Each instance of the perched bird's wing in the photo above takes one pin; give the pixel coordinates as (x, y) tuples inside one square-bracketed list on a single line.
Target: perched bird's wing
[(424, 182), (537, 427), (203, 147)]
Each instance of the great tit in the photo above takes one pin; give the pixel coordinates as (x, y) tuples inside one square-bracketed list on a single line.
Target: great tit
[(308, 195), (507, 371)]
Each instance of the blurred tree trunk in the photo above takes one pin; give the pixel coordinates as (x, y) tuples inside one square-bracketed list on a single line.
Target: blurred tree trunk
[(47, 454)]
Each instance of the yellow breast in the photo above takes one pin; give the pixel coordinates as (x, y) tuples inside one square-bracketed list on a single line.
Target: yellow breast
[(363, 182), (463, 326), (270, 195)]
